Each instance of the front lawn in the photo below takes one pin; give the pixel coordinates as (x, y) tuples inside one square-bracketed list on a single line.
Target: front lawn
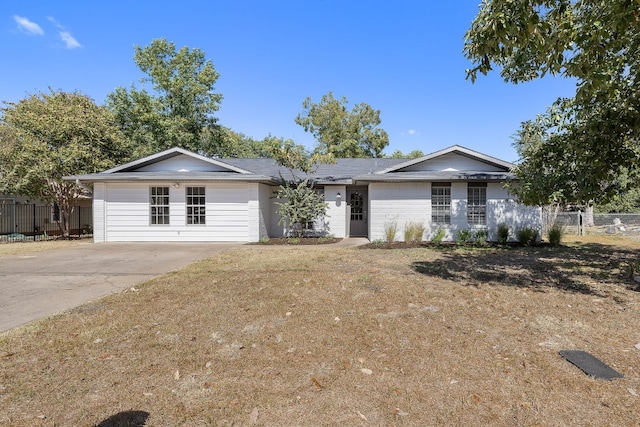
[(320, 335)]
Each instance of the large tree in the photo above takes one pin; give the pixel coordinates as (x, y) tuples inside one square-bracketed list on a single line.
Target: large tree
[(50, 135), (179, 110), (595, 42), (343, 133)]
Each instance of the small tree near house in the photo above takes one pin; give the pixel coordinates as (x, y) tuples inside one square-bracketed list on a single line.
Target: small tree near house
[(299, 203)]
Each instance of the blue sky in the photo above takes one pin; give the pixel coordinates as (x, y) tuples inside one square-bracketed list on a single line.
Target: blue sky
[(403, 58)]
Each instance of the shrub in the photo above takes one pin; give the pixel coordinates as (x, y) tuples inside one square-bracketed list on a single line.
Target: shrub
[(438, 236), (527, 236), (264, 240), (481, 236), (503, 233), (294, 241), (556, 232), (390, 230), (413, 231), (464, 236)]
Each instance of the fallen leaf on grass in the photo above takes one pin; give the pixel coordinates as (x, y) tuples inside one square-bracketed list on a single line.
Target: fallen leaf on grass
[(176, 375), (400, 413), (362, 416), (317, 383), (366, 371)]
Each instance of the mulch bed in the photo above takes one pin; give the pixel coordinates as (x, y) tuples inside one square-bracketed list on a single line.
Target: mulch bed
[(298, 241)]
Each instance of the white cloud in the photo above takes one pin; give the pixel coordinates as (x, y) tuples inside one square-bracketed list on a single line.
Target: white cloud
[(65, 36), (410, 132), (69, 40), (24, 24)]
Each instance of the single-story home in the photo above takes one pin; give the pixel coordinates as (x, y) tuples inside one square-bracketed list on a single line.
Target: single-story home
[(178, 195)]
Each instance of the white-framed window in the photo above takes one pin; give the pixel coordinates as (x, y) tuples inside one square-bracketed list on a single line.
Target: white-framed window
[(196, 205), (441, 203), (477, 203), (158, 205)]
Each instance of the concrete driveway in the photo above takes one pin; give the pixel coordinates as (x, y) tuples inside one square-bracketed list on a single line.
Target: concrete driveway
[(36, 285)]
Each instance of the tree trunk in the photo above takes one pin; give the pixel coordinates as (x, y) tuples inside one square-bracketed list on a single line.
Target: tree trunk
[(587, 220)]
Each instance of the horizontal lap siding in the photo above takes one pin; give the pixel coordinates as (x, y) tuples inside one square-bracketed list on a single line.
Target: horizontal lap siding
[(399, 202), (127, 214)]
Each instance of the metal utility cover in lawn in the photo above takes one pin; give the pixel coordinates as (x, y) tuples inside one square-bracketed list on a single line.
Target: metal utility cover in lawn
[(590, 365)]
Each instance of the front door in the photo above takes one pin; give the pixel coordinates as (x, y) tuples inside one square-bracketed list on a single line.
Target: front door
[(357, 200)]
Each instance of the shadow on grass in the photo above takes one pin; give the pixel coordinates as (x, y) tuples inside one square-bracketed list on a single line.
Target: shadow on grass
[(126, 419), (569, 268)]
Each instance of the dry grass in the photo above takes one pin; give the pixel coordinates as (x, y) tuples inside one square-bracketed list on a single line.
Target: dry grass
[(20, 248), (323, 336)]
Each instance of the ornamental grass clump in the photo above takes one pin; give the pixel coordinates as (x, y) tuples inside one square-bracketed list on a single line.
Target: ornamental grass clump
[(413, 231), (391, 230)]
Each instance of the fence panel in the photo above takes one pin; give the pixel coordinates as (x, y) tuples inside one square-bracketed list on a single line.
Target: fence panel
[(20, 222), (626, 224)]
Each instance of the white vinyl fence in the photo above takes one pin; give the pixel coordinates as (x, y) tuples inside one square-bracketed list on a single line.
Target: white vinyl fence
[(581, 223)]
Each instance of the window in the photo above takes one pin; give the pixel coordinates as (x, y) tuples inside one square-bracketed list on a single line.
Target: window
[(195, 205), (441, 203), (356, 201), (477, 203), (159, 205)]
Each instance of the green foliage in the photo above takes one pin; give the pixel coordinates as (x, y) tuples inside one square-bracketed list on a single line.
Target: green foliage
[(390, 230), (343, 133), (414, 154), (481, 235), (555, 234), (293, 241), (464, 236), (562, 161), (438, 236), (527, 236), (179, 112), (503, 233), (579, 145), (264, 240), (413, 231), (299, 205), (632, 267), (47, 136)]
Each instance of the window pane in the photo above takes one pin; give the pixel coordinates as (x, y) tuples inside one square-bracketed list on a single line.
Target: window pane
[(159, 205), (441, 203), (196, 205)]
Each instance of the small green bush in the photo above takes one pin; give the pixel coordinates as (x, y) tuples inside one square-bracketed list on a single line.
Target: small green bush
[(503, 233), (481, 236), (391, 230), (264, 240), (438, 236), (556, 232), (413, 231), (464, 236), (293, 241), (527, 236)]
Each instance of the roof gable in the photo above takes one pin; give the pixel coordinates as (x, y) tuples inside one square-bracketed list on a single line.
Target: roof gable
[(176, 160), (452, 159)]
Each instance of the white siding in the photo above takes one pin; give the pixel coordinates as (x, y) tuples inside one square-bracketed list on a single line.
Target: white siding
[(404, 202), (182, 163), (99, 212), (399, 202), (265, 193), (453, 162), (127, 213), (337, 212)]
